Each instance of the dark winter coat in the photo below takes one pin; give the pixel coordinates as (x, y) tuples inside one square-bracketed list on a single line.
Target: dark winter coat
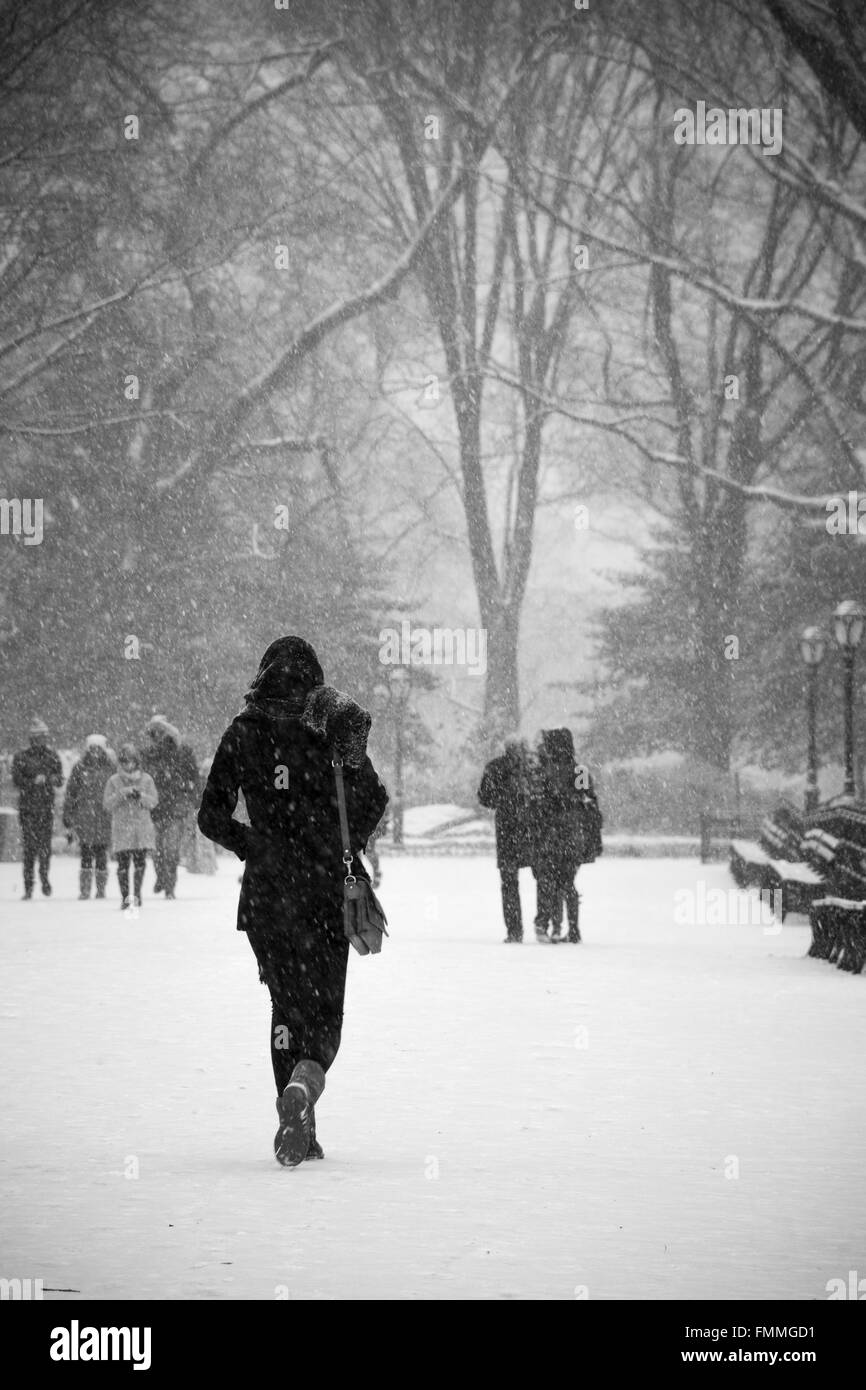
[(174, 770), (506, 789), (83, 809), (36, 797), (566, 818), (292, 848)]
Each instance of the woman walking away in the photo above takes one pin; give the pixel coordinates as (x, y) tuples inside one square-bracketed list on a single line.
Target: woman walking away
[(130, 796), (84, 812), (279, 752)]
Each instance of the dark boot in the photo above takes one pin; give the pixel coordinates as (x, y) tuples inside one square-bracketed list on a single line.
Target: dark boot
[(315, 1150), (295, 1111), (85, 880), (123, 880), (572, 903), (44, 862)]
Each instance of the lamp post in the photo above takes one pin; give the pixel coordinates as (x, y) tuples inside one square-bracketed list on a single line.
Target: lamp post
[(399, 681), (848, 622), (812, 651)]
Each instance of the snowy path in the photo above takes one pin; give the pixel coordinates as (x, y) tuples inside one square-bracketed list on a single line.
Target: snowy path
[(502, 1122)]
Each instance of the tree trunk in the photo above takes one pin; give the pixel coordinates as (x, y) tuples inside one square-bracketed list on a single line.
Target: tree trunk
[(501, 692)]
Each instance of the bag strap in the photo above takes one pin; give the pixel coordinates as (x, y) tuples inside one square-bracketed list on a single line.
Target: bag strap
[(337, 764)]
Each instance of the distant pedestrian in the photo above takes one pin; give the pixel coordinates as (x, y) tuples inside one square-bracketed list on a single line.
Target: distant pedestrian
[(130, 797), (506, 788), (37, 773), (85, 815), (567, 833), (197, 852), (172, 765)]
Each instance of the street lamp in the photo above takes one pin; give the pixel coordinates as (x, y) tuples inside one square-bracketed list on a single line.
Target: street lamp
[(399, 682), (848, 622), (812, 651)]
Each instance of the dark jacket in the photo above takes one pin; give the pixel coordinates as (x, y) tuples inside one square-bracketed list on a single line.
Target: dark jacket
[(36, 799), (83, 809), (567, 820), (506, 788), (292, 848), (174, 770)]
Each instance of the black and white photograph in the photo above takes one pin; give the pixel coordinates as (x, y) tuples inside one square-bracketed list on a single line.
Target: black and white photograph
[(433, 522)]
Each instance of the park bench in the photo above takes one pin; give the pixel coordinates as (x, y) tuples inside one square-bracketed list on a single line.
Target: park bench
[(819, 868), (839, 932), (776, 862), (837, 917)]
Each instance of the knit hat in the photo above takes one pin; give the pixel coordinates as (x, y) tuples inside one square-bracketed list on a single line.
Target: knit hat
[(96, 741)]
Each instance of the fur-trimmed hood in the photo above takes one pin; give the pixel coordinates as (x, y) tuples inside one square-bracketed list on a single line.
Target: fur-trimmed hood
[(335, 717)]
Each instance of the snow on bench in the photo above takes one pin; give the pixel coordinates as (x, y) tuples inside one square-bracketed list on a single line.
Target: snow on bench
[(851, 904), (795, 871), (753, 866), (750, 852)]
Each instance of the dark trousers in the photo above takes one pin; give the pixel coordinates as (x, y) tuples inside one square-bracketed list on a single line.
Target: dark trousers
[(94, 856), (509, 878), (304, 969), (138, 857), (166, 856), (555, 885), (36, 844)]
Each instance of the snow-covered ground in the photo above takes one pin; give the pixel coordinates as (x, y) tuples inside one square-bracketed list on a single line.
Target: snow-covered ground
[(663, 1111)]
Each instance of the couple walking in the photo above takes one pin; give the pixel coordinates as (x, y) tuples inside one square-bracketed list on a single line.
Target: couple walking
[(547, 819)]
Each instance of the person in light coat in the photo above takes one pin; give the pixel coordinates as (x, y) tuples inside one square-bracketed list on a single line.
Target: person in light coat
[(130, 796)]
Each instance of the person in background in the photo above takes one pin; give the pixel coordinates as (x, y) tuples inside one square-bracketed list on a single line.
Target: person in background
[(130, 796), (174, 770), (567, 833), (84, 812), (198, 854), (506, 788), (37, 773)]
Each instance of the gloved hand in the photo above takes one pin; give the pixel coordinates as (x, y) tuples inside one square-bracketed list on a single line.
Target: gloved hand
[(135, 794), (69, 837), (40, 779)]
